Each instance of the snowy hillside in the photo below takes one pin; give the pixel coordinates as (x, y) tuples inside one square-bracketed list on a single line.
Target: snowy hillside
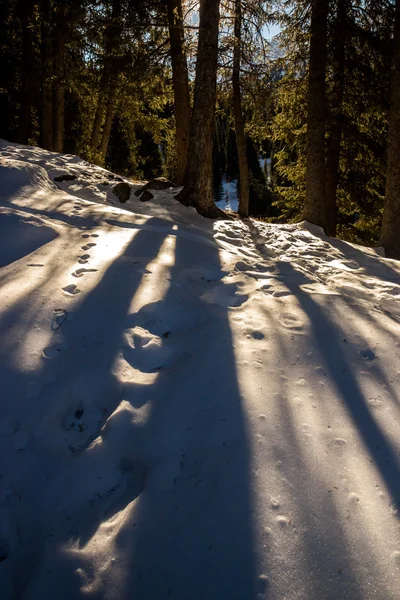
[(190, 409)]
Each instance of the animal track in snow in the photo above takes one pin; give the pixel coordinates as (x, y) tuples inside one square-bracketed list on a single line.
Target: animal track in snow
[(88, 246), (71, 290), (81, 272), (83, 259)]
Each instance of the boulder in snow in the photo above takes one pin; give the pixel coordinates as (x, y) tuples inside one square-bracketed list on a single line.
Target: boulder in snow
[(146, 196), (122, 191), (159, 183)]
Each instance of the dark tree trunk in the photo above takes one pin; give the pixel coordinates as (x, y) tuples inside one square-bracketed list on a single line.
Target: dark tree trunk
[(239, 120), (335, 133), (391, 213), (112, 33), (198, 188), (25, 132), (99, 114), (180, 79), (105, 137), (315, 209), (59, 76), (46, 120)]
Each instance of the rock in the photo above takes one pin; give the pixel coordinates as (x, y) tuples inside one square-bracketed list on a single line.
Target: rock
[(146, 196), (159, 183), (122, 191), (65, 177)]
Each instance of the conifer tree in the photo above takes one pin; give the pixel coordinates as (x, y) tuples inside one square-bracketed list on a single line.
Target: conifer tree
[(180, 79), (198, 186), (315, 209), (391, 213), (238, 114)]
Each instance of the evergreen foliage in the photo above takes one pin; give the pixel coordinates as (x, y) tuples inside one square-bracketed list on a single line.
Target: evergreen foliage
[(96, 78)]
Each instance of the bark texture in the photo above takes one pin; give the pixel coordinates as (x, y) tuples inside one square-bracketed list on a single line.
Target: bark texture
[(105, 136), (28, 88), (335, 132), (108, 76), (198, 189), (46, 50), (239, 120), (315, 208), (180, 79), (59, 79), (391, 214)]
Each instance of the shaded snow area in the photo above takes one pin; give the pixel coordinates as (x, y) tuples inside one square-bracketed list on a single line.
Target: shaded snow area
[(190, 409)]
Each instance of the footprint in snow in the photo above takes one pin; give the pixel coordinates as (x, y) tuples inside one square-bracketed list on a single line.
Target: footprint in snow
[(367, 354), (88, 235), (81, 272), (290, 321), (71, 290), (88, 246), (52, 351), (8, 426), (83, 259), (281, 294)]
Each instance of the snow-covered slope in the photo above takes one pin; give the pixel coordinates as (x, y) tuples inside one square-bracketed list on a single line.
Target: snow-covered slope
[(190, 409)]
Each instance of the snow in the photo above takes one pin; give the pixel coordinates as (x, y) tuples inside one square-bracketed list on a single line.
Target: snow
[(190, 409)]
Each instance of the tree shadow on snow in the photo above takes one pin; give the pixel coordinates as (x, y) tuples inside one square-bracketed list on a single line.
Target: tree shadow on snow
[(180, 478), (328, 339)]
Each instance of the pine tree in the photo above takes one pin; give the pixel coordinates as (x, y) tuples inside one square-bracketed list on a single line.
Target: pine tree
[(391, 213), (180, 79), (238, 114), (198, 186), (315, 209)]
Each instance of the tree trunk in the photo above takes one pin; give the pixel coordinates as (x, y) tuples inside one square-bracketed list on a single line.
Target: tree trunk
[(391, 214), (335, 134), (113, 30), (25, 131), (46, 121), (315, 209), (180, 80), (99, 114), (105, 138), (58, 88), (239, 120), (198, 188)]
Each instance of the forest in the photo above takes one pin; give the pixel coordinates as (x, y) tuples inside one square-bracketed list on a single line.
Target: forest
[(307, 121)]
